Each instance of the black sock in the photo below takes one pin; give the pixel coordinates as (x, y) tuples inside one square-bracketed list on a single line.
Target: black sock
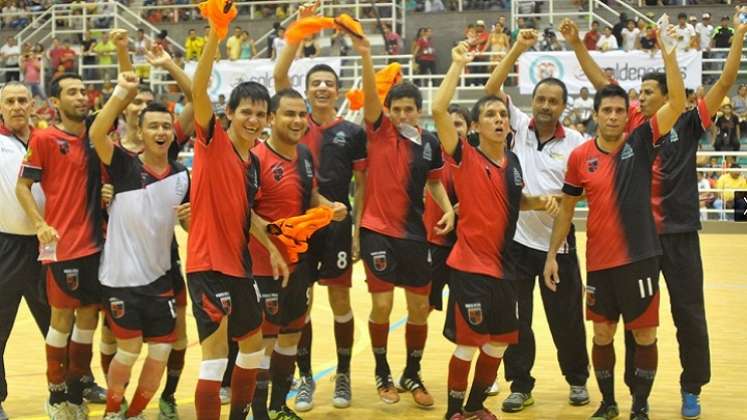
[(304, 350), (382, 366), (456, 401), (233, 351), (603, 358), (343, 360), (412, 368), (57, 393), (259, 402), (172, 380), (280, 387), (646, 360), (477, 396)]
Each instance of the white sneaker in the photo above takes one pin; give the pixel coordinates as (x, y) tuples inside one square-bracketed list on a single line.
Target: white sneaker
[(493, 390), (305, 397), (78, 412), (113, 416), (225, 395), (57, 411), (140, 416)]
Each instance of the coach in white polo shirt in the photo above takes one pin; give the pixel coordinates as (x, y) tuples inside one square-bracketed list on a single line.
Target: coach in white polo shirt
[(20, 272), (543, 146)]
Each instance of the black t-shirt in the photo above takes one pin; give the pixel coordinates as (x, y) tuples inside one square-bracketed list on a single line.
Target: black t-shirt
[(726, 136), (722, 37)]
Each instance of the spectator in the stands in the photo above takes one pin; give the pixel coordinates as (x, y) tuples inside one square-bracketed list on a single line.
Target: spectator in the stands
[(279, 42), (648, 39), (31, 67), (310, 47), (521, 23), (607, 42), (393, 42), (248, 48), (733, 180), (162, 40), (68, 57), (706, 198), (692, 100), (478, 46), (433, 6), (499, 41), (141, 46), (10, 53), (617, 29), (705, 30), (726, 130), (739, 102), (105, 50), (685, 33), (271, 39), (233, 44), (592, 36), (583, 106), (89, 56), (107, 89), (193, 46), (722, 39), (425, 54), (550, 41), (341, 42), (502, 21), (94, 97), (631, 36), (633, 98)]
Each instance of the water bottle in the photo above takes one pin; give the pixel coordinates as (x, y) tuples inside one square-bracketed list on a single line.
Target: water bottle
[(48, 251)]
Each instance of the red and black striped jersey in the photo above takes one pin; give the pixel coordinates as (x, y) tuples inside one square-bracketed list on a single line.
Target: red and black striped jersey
[(433, 212)]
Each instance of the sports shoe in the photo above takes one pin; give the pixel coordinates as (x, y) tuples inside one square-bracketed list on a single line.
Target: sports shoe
[(387, 391), (284, 413), (3, 414), (639, 415), (690, 406), (93, 393), (493, 390), (140, 416), (483, 414), (579, 395), (419, 394), (343, 392), (517, 401), (167, 409), (77, 412), (225, 395), (113, 416), (305, 396), (606, 411), (59, 411)]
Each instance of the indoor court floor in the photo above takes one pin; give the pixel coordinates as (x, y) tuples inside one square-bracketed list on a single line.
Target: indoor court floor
[(723, 398)]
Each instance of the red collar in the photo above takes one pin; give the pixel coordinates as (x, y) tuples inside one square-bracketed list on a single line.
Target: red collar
[(5, 131), (559, 130)]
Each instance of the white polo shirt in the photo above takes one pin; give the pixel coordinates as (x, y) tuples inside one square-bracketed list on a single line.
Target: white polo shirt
[(544, 167), (13, 219)]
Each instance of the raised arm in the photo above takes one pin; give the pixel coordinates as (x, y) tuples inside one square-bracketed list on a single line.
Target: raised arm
[(372, 107), (525, 39), (124, 93), (121, 40), (447, 134), (201, 79), (718, 91), (668, 114), (157, 57), (593, 72), (288, 54)]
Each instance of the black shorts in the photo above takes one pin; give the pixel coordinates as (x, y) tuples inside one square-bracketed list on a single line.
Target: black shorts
[(391, 262), (74, 283), (437, 256), (630, 290), (481, 309), (285, 307), (144, 311), (215, 295), (330, 254), (177, 278)]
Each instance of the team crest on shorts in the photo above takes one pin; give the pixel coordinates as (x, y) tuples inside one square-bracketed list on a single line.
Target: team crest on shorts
[(71, 278), (225, 302), (474, 313), (271, 303), (592, 165), (379, 260), (117, 308), (590, 297)]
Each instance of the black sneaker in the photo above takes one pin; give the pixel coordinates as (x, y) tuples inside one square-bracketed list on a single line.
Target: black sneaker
[(92, 392), (639, 414), (284, 413), (606, 411)]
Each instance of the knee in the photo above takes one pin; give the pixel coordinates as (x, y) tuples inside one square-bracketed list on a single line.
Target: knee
[(288, 340), (159, 351), (252, 343), (418, 309), (62, 320), (381, 309), (604, 335), (339, 300), (645, 336)]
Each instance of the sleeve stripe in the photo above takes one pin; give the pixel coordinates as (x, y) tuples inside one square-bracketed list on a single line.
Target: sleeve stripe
[(705, 115), (572, 190)]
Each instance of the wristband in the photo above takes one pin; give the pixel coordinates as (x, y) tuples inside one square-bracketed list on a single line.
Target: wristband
[(120, 92)]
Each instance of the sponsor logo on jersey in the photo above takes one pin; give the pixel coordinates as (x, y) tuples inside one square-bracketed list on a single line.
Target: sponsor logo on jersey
[(673, 136), (309, 170), (474, 313), (518, 181), (379, 260), (117, 308), (427, 152), (71, 278), (627, 152), (592, 165), (339, 139)]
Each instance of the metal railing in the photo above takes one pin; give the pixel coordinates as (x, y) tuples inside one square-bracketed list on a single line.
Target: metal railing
[(553, 14)]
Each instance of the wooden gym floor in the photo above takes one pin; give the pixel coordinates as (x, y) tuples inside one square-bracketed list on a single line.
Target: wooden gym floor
[(725, 288)]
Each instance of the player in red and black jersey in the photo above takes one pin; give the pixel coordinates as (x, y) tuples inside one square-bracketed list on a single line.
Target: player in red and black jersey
[(488, 181), (338, 148), (402, 160), (62, 160), (675, 204), (614, 170), (225, 302), (287, 188)]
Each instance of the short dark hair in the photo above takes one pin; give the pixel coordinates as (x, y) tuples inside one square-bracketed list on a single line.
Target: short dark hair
[(253, 91), (153, 107), (689, 91), (458, 109), (660, 79), (595, 21), (402, 91), (480, 104), (681, 16), (610, 91), (145, 89), (552, 81), (319, 68), (54, 87), (285, 93)]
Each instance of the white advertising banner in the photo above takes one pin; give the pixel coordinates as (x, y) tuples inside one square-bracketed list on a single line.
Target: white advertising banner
[(628, 68), (227, 74)]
